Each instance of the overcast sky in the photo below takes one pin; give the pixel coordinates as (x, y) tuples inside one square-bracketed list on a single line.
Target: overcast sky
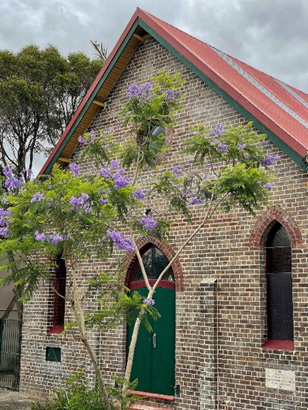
[(271, 35)]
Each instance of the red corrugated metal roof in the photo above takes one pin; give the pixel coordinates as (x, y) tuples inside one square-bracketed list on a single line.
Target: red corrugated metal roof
[(255, 97), (280, 108)]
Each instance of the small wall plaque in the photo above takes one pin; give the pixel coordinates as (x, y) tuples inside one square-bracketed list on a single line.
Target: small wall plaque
[(280, 379)]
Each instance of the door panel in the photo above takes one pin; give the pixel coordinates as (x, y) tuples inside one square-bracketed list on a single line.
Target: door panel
[(163, 353), (154, 360), (142, 364)]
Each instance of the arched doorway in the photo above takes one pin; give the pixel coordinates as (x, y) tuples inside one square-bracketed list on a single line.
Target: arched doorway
[(154, 360)]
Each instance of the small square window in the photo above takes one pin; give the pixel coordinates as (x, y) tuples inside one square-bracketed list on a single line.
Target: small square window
[(53, 354)]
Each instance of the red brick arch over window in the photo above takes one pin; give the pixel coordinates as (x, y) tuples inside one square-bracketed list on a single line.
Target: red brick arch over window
[(165, 249), (265, 222)]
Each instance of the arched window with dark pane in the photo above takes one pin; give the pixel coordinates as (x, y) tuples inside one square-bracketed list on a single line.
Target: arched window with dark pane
[(154, 262), (152, 140), (58, 294), (279, 284)]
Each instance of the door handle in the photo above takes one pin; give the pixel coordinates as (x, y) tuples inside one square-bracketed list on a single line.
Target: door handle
[(154, 340)]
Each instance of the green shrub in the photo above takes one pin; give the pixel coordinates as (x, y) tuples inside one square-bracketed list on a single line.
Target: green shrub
[(76, 396)]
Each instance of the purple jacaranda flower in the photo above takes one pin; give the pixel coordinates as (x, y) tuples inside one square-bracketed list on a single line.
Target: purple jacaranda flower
[(87, 207), (82, 141), (74, 202), (37, 197), (139, 194), (3, 232), (74, 168), (146, 91), (7, 172), (11, 182), (148, 223), (270, 159), (120, 241), (147, 86), (114, 164), (132, 90), (83, 197), (5, 212), (78, 201), (178, 171), (149, 302), (267, 186), (216, 131), (39, 236), (241, 146), (222, 147), (120, 180), (142, 92), (195, 201), (92, 136), (56, 239), (103, 200), (104, 172), (3, 221), (172, 95), (109, 131), (188, 194)]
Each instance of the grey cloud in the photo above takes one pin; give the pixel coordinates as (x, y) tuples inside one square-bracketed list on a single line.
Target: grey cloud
[(271, 35)]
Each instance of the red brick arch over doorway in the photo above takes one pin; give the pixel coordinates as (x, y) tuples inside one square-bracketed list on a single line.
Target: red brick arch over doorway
[(264, 224), (166, 249)]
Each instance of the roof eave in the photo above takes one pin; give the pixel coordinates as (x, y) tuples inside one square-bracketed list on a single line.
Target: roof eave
[(92, 92)]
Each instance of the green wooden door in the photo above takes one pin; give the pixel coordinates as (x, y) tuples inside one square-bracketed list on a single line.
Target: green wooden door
[(154, 359)]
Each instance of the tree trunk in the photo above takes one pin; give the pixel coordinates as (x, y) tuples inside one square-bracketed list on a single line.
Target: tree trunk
[(16, 296), (11, 305), (79, 316)]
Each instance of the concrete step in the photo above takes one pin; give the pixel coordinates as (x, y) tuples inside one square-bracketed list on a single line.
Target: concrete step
[(149, 407)]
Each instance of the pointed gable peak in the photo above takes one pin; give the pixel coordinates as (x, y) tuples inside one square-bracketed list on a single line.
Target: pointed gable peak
[(276, 108)]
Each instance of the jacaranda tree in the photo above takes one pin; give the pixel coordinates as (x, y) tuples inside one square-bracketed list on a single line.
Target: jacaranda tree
[(79, 216)]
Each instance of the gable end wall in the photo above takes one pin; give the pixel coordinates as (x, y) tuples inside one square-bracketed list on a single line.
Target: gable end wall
[(220, 307)]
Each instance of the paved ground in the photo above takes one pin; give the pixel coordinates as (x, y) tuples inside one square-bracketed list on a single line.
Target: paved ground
[(12, 400)]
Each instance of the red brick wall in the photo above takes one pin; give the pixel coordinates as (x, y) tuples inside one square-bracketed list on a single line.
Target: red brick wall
[(221, 300)]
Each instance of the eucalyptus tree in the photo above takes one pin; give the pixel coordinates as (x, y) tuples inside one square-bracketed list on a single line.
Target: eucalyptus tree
[(39, 92)]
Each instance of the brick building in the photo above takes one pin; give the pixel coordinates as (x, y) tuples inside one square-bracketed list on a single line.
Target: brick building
[(240, 327)]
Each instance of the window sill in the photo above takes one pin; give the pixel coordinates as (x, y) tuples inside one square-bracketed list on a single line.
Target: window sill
[(55, 330), (287, 345)]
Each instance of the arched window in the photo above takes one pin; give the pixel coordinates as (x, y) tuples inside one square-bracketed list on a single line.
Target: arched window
[(58, 294), (154, 262), (152, 140), (279, 284)]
